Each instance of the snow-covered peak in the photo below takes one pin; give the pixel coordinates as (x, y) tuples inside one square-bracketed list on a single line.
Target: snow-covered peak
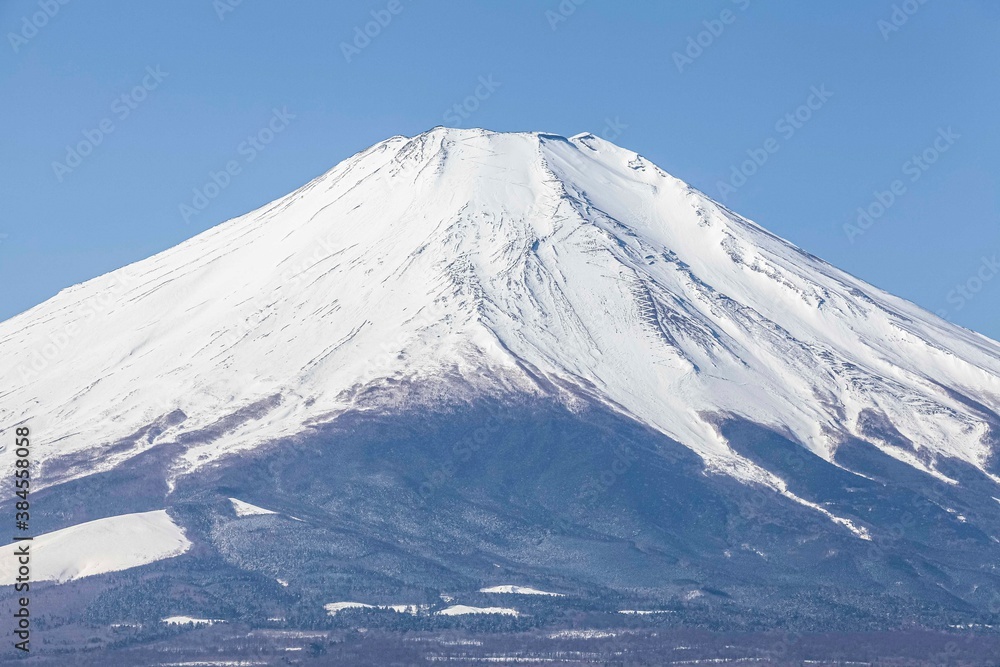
[(498, 263)]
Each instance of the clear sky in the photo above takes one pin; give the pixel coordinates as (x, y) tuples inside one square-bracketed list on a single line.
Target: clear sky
[(114, 112)]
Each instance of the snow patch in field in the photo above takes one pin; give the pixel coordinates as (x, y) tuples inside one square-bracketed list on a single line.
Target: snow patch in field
[(518, 590), (246, 509), (105, 545), (582, 634), (462, 610), (334, 607), (189, 620)]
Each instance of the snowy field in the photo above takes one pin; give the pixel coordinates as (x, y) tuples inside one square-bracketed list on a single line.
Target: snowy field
[(105, 545)]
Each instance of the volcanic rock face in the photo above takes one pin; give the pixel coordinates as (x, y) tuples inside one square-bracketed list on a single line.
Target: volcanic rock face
[(470, 350)]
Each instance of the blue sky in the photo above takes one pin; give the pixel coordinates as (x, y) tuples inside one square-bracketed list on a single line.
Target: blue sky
[(887, 107)]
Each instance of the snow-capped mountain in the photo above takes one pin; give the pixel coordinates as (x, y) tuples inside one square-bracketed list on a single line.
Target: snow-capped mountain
[(526, 262), (545, 351)]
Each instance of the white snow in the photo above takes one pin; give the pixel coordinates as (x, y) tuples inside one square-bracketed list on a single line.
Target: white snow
[(518, 590), (334, 607), (583, 634), (859, 531), (461, 610), (106, 545), (246, 509), (495, 253), (644, 612), (186, 620)]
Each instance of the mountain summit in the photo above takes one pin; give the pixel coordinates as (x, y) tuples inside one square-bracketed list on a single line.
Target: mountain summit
[(688, 389)]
